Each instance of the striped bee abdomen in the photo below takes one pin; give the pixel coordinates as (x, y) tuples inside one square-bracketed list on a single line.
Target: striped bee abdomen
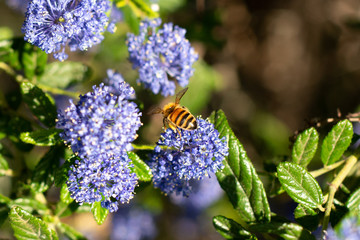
[(182, 118)]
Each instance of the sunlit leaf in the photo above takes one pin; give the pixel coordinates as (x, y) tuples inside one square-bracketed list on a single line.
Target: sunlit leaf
[(305, 147)]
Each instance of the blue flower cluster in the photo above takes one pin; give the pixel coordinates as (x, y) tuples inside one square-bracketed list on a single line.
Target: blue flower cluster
[(196, 154), (99, 129), (349, 229), (161, 56), (53, 24)]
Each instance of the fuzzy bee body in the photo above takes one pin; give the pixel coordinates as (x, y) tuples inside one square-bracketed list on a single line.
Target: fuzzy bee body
[(177, 116)]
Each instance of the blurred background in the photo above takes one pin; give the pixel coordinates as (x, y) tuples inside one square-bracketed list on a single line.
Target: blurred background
[(270, 65)]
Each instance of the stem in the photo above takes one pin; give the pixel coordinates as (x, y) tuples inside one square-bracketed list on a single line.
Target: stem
[(334, 185), (326, 169), (143, 147), (20, 79)]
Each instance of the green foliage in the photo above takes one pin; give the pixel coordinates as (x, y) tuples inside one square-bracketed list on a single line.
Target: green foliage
[(42, 137), (353, 203), (3, 165), (305, 147), (300, 184), (63, 74), (336, 142), (239, 178), (307, 217), (230, 229), (99, 212), (40, 103), (70, 232), (27, 226), (142, 171)]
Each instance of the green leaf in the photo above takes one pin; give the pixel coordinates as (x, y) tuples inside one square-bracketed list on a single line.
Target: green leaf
[(29, 205), (4, 213), (141, 169), (336, 142), (230, 229), (131, 19), (70, 232), (16, 126), (239, 178), (99, 212), (65, 194), (43, 175), (307, 217), (305, 147), (40, 103), (33, 60), (353, 203), (27, 227), (139, 7), (62, 74), (283, 229), (42, 137), (300, 185), (3, 165), (4, 199), (61, 175)]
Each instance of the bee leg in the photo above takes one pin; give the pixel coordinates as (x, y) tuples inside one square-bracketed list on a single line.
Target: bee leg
[(172, 126)]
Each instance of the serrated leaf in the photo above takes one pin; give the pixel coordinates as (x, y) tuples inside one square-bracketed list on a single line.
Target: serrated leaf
[(40, 103), (62, 74), (42, 137), (283, 229), (61, 175), (300, 185), (65, 194), (305, 147), (70, 232), (29, 205), (27, 227), (99, 212), (141, 169), (230, 229), (353, 203), (306, 217), (43, 175), (239, 178), (336, 142)]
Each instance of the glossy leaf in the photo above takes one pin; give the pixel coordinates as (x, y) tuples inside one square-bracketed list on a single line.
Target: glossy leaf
[(283, 229), (62, 74), (230, 229), (353, 203), (40, 103), (336, 142), (307, 217), (141, 169), (305, 147), (99, 212), (239, 178), (42, 137), (65, 194), (43, 175), (27, 227), (70, 232), (299, 184), (29, 205), (61, 175)]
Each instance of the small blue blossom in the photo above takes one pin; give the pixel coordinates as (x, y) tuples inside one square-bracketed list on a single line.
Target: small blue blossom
[(196, 154), (51, 25), (100, 122), (99, 129), (161, 56), (348, 229), (118, 86), (106, 178)]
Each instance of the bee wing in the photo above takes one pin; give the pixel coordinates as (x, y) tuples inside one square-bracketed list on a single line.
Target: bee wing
[(179, 95), (156, 110)]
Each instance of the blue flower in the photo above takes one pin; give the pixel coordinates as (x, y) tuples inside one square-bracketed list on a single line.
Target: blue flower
[(99, 123), (99, 129), (161, 56), (196, 154), (349, 229), (106, 178), (118, 86), (53, 24)]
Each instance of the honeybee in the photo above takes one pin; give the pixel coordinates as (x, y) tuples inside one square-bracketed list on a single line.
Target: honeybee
[(177, 116)]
